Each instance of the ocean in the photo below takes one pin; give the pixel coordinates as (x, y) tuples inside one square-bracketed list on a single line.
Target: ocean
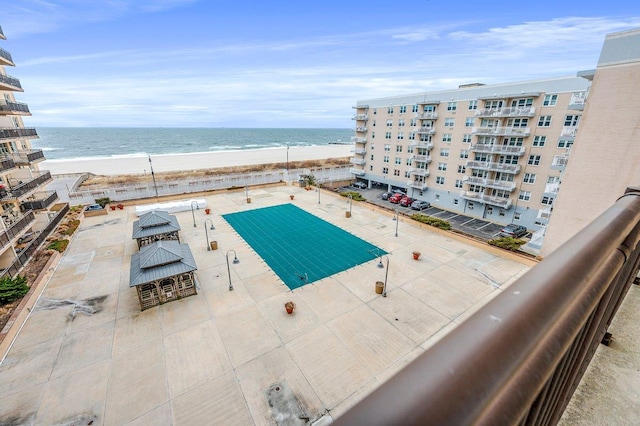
[(66, 143)]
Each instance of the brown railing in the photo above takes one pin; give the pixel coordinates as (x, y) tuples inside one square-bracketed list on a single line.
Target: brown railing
[(519, 359)]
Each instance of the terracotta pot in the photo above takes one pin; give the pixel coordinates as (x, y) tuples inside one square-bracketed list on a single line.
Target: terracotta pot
[(207, 211), (416, 255), (291, 196), (289, 306)]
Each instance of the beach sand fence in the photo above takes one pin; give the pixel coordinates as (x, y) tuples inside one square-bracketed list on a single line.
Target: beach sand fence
[(324, 175)]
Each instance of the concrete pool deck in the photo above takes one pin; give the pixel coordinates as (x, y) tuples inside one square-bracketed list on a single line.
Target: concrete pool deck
[(236, 357)]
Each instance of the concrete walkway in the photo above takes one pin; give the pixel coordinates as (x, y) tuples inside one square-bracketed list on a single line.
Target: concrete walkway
[(87, 353)]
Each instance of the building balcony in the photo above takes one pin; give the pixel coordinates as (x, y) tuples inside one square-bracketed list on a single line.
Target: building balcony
[(361, 129), (360, 117), (15, 224), (14, 108), (358, 139), (544, 214), (358, 161), (490, 183), (498, 149), (419, 172), (5, 58), (427, 116), (426, 131), (23, 132), (552, 188), (6, 163), (507, 112), (422, 145), (10, 83), (24, 158), (559, 162), (360, 151), (503, 203), (26, 187), (422, 158), (569, 132), (494, 167), (501, 131), (40, 201), (421, 185), (2, 34), (357, 171)]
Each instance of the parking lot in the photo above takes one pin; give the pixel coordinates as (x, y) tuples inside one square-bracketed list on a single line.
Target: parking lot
[(479, 228)]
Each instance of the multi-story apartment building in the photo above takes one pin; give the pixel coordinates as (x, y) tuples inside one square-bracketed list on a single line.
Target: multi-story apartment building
[(491, 151), (23, 200)]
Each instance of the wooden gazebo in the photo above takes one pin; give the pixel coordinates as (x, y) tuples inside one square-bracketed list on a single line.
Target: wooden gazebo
[(161, 272), (156, 225)]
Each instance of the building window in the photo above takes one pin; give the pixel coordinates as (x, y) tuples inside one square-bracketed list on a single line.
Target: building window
[(516, 216), (502, 212), (470, 206), (412, 136), (403, 109), (446, 137), (407, 174), (489, 210), (449, 122), (529, 178), (373, 135), (462, 169), (534, 160), (400, 123), (524, 195), (544, 121), (455, 201), (396, 172), (539, 141), (370, 168), (387, 147), (444, 152), (466, 138), (385, 170), (564, 143), (390, 110), (547, 201), (550, 100), (464, 153), (398, 160), (398, 148), (400, 135), (385, 159), (469, 122), (452, 106), (375, 111), (389, 123), (371, 157), (442, 166), (414, 122), (440, 180), (458, 183), (473, 105), (524, 102), (408, 162), (387, 135), (571, 120), (410, 149), (414, 108)]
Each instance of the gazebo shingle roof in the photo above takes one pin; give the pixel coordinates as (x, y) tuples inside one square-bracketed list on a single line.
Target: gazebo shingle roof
[(153, 223), (162, 259)]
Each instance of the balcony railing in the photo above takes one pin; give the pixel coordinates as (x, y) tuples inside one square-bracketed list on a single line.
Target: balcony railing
[(481, 198), (356, 139), (506, 112), (520, 357), (6, 56), (569, 132), (494, 167), (7, 80), (422, 158), (490, 183), (427, 116), (419, 172), (417, 184), (27, 157), (360, 117), (560, 161), (23, 188), (426, 131), (356, 171), (23, 132), (15, 225), (360, 151), (422, 145), (2, 34), (544, 213), (361, 129), (498, 149), (6, 163), (501, 131), (358, 161), (14, 108), (552, 188), (40, 204)]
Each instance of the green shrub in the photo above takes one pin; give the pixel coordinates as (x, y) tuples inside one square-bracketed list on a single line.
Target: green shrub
[(12, 288), (433, 221), (103, 201), (72, 226), (58, 245), (507, 243), (356, 196)]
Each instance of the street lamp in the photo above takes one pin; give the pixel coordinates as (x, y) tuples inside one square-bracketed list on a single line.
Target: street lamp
[(287, 161), (153, 176), (350, 197), (397, 219), (318, 189), (386, 274), (206, 233), (235, 262), (193, 215)]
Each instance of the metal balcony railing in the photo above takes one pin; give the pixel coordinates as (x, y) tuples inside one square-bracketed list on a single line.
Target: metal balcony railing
[(6, 56), (27, 156), (501, 131), (506, 112), (358, 140), (14, 108), (357, 172), (422, 158), (25, 187), (42, 203), (519, 358), (427, 116), (569, 132), (23, 132), (419, 172), (358, 161), (10, 81), (361, 129), (417, 184), (6, 163), (481, 198), (490, 183), (498, 149), (422, 145), (360, 117), (426, 131), (494, 167), (15, 224)]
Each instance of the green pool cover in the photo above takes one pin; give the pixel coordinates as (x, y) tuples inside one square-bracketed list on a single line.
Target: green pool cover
[(300, 247)]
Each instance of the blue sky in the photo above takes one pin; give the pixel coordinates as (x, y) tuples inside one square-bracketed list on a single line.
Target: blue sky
[(215, 63)]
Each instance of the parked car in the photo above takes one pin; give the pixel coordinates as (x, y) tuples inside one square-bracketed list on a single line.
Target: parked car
[(360, 185), (406, 201), (26, 238), (92, 207), (395, 198), (514, 231), (386, 195), (420, 205), (399, 191)]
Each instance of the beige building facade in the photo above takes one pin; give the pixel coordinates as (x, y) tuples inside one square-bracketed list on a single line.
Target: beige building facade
[(496, 152), (606, 158)]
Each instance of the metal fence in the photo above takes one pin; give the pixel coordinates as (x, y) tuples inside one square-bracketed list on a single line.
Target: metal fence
[(519, 359)]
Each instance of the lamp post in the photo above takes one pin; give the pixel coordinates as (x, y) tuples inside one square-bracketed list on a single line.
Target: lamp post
[(153, 176), (206, 233), (235, 262), (350, 197), (193, 215), (386, 274), (395, 217), (287, 161), (318, 189)]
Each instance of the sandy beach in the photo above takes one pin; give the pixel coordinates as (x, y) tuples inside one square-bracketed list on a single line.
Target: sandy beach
[(194, 161)]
